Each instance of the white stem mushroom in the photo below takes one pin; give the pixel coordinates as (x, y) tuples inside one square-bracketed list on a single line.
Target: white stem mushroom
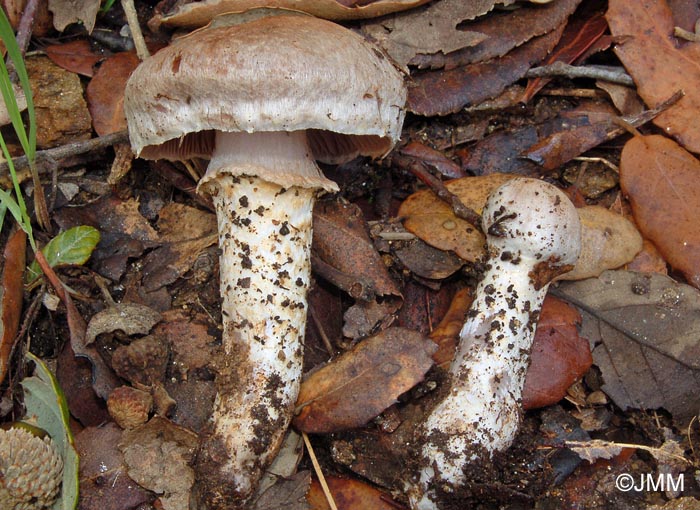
[(263, 99), (533, 234)]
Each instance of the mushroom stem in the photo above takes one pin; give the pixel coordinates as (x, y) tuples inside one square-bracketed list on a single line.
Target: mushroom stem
[(533, 234), (265, 239)]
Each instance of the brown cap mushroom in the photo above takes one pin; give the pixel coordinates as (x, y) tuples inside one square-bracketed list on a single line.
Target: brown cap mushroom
[(263, 99)]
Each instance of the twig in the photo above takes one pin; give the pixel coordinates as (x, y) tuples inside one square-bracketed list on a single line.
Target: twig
[(418, 168), (65, 151), (133, 20), (319, 473), (613, 75), (26, 25)]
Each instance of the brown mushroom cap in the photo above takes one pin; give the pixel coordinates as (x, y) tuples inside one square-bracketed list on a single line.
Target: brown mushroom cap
[(279, 73)]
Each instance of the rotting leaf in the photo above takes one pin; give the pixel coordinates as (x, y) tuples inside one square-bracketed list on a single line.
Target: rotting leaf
[(358, 385), (131, 318), (158, 454), (341, 240), (659, 64), (197, 14), (645, 327), (443, 92), (11, 295), (662, 181), (170, 261), (288, 493)]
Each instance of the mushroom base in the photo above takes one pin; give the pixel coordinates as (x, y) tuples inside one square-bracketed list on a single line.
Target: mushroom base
[(265, 238)]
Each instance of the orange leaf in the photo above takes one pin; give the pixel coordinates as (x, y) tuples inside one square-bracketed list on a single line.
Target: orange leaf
[(662, 181), (659, 64), (11, 295), (349, 494)]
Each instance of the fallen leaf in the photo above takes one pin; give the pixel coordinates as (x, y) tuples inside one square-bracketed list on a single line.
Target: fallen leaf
[(197, 14), (523, 24), (659, 64), (74, 56), (662, 181), (447, 331), (288, 493), (367, 317), (594, 449), (104, 482), (432, 219), (427, 262), (645, 327), (341, 240), (610, 241), (105, 92), (179, 222), (66, 12), (443, 92), (143, 361), (428, 30), (358, 385), (350, 494), (433, 158), (11, 295), (559, 356), (283, 468), (62, 114), (131, 318), (170, 261), (157, 456)]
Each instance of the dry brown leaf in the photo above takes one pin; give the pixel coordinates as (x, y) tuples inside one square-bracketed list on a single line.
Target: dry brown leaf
[(610, 241), (66, 12), (645, 327), (198, 14), (74, 56), (662, 181), (131, 318), (11, 295), (158, 455), (444, 92), (341, 240), (360, 384), (170, 261), (431, 29), (179, 222), (660, 64), (446, 333), (105, 92)]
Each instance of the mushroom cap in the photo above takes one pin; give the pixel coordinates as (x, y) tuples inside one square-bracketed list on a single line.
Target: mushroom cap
[(532, 221), (285, 72)]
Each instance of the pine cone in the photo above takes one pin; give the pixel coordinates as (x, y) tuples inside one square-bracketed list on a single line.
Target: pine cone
[(31, 470)]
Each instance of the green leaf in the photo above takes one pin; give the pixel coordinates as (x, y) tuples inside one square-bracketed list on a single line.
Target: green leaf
[(47, 409), (74, 246)]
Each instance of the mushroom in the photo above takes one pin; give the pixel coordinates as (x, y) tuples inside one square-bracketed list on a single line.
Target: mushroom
[(263, 100), (533, 235)]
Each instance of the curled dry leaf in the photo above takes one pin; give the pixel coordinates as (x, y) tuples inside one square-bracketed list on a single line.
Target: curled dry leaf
[(131, 318), (645, 328), (659, 64), (198, 14), (360, 384), (66, 12), (662, 181)]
